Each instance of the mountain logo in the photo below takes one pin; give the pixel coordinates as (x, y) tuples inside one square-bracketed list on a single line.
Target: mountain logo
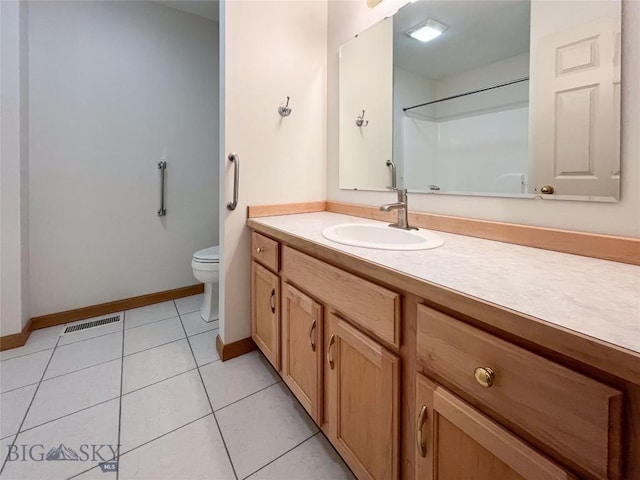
[(62, 453)]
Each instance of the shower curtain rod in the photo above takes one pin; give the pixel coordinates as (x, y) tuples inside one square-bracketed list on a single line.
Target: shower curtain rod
[(523, 79)]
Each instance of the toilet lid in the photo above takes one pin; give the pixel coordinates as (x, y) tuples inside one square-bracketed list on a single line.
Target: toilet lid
[(208, 255)]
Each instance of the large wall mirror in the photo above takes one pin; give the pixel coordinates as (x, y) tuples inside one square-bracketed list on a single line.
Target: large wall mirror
[(507, 98)]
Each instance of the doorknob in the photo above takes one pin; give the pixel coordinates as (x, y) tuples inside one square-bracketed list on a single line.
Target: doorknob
[(547, 189)]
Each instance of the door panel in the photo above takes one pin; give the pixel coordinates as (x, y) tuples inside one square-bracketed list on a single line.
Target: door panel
[(576, 134), (302, 349), (454, 441), (265, 312), (363, 402)]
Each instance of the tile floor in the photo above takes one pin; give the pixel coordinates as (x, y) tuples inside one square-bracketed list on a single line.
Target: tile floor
[(154, 385)]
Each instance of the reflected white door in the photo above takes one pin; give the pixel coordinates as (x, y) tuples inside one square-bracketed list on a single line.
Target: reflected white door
[(576, 134)]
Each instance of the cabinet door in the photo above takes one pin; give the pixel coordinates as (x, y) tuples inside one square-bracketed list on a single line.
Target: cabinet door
[(302, 348), (457, 442), (363, 402), (265, 312)]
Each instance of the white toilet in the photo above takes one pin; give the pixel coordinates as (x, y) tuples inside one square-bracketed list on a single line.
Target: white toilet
[(206, 268)]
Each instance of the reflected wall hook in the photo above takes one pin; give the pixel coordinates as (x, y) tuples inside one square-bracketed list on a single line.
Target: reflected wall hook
[(284, 109), (360, 121)]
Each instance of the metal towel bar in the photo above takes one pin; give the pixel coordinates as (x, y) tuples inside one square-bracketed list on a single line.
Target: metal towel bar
[(162, 166), (233, 157)]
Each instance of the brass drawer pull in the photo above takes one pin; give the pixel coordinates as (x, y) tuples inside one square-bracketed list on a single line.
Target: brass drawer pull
[(259, 250), (272, 302), (329, 356), (313, 343), (422, 416), (484, 376)]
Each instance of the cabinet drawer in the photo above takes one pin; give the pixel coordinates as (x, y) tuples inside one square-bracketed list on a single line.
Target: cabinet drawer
[(373, 307), (561, 410), (454, 440), (265, 251)]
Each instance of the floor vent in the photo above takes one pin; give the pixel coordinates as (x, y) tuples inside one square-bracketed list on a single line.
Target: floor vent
[(92, 324)]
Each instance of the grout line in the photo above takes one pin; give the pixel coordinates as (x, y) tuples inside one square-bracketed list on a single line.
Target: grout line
[(24, 354), (124, 319), (315, 434), (151, 348), (224, 442), (151, 323), (165, 434), (89, 338), (202, 333), (80, 369), (24, 386), (319, 431), (208, 363), (4, 462), (15, 437), (68, 414), (159, 381), (76, 475), (342, 460), (282, 454), (247, 396), (142, 445)]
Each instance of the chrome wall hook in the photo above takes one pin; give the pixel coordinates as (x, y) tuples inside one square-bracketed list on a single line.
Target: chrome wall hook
[(284, 109), (360, 121)]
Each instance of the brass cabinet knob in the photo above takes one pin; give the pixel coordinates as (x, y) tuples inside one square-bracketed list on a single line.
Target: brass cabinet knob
[(484, 376), (547, 189), (259, 250)]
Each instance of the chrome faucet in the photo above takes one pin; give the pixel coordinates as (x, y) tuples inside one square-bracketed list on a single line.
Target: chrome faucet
[(401, 207)]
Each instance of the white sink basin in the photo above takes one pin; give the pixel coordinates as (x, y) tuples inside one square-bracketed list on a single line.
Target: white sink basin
[(383, 237)]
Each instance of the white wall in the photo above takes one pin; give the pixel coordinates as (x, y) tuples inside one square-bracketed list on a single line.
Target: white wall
[(419, 153), (114, 88), (481, 153), (346, 18), (271, 50), (511, 68), (472, 140), (14, 200), (366, 83), (409, 89)]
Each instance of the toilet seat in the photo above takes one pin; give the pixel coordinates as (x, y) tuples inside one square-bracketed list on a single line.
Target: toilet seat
[(207, 255)]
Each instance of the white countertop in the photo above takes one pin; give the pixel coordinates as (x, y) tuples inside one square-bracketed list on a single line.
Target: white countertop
[(594, 297)]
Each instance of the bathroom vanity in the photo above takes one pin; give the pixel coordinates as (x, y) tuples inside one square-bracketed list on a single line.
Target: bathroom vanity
[(477, 359)]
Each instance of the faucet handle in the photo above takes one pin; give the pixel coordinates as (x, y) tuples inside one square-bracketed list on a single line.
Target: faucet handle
[(392, 189)]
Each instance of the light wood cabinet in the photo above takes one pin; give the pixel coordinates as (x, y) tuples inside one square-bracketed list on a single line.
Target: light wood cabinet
[(563, 411), (265, 312), (456, 442), (347, 381), (366, 304), (265, 251), (363, 401), (302, 348), (346, 336)]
